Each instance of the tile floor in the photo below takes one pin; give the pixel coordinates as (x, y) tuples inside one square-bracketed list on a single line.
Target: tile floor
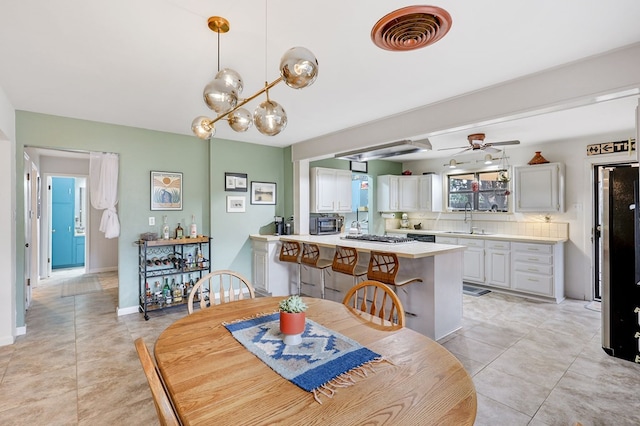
[(532, 363)]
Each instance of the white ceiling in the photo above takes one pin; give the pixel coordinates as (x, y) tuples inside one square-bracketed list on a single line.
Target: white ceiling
[(144, 63)]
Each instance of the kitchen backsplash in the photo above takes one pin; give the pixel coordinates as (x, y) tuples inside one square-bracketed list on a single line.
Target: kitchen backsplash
[(530, 229)]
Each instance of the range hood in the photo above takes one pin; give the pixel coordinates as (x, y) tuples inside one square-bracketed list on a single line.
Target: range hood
[(392, 149)]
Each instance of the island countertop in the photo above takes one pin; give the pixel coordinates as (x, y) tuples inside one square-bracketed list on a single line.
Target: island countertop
[(411, 250)]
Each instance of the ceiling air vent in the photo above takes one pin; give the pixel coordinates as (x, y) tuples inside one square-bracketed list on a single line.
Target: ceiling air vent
[(411, 28)]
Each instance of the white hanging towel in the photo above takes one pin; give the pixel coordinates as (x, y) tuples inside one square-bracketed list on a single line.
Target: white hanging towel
[(103, 175)]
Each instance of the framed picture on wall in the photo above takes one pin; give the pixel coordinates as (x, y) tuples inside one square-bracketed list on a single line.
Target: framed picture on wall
[(166, 191), (236, 203), (263, 192), (235, 182)]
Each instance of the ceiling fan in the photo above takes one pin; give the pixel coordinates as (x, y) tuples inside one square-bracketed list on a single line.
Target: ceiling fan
[(476, 142)]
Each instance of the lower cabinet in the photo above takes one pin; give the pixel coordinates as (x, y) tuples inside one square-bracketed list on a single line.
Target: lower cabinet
[(526, 269), (269, 274), (538, 269)]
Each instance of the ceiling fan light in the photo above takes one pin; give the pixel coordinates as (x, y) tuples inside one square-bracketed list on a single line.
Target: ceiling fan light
[(488, 159), (453, 164)]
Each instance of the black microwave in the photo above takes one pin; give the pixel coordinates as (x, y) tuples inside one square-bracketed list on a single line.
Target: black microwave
[(325, 225)]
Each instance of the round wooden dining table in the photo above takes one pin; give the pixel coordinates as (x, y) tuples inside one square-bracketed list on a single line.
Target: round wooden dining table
[(213, 379)]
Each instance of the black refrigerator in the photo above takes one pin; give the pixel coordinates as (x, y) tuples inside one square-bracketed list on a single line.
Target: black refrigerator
[(620, 263)]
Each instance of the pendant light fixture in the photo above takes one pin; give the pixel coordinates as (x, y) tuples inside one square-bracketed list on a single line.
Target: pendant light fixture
[(298, 69)]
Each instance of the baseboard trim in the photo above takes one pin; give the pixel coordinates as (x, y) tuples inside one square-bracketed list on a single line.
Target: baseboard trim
[(128, 311), (7, 340), (21, 331)]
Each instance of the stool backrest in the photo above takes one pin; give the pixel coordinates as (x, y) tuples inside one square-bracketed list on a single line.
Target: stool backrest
[(310, 254), (345, 260), (290, 251), (383, 267)]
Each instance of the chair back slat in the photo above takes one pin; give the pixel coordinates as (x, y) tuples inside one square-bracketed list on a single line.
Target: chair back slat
[(383, 267), (222, 286), (345, 260), (290, 251), (377, 300)]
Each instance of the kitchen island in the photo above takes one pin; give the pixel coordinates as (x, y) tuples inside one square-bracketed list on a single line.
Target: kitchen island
[(433, 306)]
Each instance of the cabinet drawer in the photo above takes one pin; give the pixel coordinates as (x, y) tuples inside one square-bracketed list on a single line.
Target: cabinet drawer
[(540, 284), (498, 245), (534, 268), (533, 248), (471, 242), (446, 240), (533, 258)]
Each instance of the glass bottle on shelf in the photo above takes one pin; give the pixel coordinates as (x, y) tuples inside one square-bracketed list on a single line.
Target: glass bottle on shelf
[(193, 232), (189, 262), (156, 261), (165, 228), (179, 232), (166, 292), (191, 284), (185, 288), (147, 291), (199, 258), (157, 291), (177, 293)]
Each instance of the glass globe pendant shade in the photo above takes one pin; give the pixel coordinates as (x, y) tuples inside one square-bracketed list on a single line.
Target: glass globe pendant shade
[(231, 78), (240, 120), (270, 118), (203, 128), (219, 96), (298, 67)]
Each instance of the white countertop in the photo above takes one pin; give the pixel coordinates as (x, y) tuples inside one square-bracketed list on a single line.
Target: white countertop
[(490, 236), (412, 250)]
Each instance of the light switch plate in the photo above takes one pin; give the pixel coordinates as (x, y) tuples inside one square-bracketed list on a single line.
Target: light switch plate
[(152, 220)]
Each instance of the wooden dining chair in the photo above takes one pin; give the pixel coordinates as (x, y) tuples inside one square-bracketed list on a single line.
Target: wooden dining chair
[(384, 267), (377, 300), (218, 287), (290, 252), (164, 407)]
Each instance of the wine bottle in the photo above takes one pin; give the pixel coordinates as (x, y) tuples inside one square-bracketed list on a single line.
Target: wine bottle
[(167, 292), (165, 229), (179, 232), (194, 229), (191, 284), (177, 294), (199, 258), (156, 261)]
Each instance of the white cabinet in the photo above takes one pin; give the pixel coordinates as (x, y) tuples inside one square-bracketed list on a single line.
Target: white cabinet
[(473, 268), (430, 193), (539, 269), (269, 275), (330, 190), (387, 193), (497, 263), (539, 188), (409, 193)]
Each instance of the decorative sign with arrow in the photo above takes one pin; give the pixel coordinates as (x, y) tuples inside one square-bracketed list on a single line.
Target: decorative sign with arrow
[(611, 147)]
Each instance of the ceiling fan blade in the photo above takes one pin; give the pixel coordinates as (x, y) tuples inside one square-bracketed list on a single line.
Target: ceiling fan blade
[(489, 148), (514, 142), (455, 147)]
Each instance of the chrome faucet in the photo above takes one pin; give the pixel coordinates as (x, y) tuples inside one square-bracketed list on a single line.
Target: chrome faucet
[(470, 210)]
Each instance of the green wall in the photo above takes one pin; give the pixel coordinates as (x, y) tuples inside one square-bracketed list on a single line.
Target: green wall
[(203, 165)]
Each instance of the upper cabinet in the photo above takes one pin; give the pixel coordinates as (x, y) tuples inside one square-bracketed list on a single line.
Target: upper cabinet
[(539, 188), (330, 190), (409, 193)]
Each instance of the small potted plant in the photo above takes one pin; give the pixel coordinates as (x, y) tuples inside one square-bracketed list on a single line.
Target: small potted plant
[(292, 319)]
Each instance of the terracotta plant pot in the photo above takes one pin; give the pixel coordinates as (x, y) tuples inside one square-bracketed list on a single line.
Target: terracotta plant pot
[(292, 326)]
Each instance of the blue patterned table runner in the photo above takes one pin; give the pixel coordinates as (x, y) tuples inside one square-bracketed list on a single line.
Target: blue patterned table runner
[(322, 360)]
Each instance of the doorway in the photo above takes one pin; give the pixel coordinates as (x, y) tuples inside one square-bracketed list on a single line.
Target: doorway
[(68, 222), (625, 174)]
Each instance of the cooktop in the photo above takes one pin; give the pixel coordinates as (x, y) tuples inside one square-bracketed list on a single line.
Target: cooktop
[(379, 238)]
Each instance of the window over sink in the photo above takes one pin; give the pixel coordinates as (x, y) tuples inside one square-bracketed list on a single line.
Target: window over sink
[(483, 190)]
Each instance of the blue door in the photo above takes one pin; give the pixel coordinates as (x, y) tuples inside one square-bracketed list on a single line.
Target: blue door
[(64, 245)]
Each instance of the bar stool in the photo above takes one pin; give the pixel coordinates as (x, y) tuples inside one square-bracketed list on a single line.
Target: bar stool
[(311, 257), (290, 252), (384, 267), (345, 261)]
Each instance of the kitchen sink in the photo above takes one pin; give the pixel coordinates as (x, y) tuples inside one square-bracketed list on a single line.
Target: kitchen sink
[(467, 233)]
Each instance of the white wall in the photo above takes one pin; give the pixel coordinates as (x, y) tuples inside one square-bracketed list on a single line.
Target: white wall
[(7, 222), (578, 198)]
